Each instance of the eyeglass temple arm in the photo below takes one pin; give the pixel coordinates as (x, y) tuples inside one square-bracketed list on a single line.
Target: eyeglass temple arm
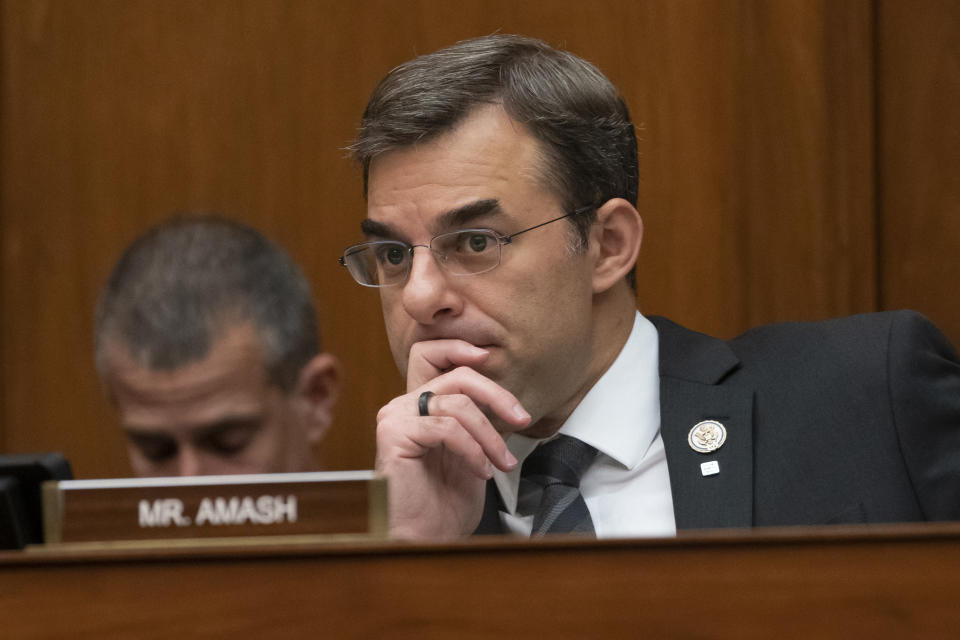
[(575, 212)]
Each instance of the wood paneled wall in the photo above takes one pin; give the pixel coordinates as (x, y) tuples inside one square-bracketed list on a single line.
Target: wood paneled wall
[(918, 139), (799, 161)]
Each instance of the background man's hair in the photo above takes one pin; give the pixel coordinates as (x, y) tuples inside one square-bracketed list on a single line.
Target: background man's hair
[(582, 123), (183, 283)]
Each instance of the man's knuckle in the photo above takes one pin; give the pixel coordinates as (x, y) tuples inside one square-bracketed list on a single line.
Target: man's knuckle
[(461, 402), (387, 410), (440, 424), (385, 431)]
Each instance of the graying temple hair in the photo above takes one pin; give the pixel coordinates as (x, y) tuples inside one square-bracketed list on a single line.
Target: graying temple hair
[(180, 285), (583, 125)]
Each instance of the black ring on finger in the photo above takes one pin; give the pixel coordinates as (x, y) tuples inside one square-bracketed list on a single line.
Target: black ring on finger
[(423, 403)]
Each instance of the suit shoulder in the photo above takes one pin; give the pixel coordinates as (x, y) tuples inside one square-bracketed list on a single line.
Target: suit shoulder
[(833, 349), (866, 330), (862, 331)]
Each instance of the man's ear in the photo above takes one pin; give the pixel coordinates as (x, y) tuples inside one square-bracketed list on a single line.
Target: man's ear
[(317, 389), (615, 241)]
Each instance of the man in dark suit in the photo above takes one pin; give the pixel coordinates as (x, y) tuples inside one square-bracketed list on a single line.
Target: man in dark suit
[(502, 232)]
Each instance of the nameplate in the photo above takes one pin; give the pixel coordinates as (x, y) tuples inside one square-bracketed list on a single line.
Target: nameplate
[(284, 504)]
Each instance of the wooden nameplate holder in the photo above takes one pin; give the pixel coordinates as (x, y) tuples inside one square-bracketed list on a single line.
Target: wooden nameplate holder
[(334, 504)]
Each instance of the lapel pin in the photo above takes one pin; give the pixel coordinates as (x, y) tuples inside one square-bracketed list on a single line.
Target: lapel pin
[(707, 436), (711, 468)]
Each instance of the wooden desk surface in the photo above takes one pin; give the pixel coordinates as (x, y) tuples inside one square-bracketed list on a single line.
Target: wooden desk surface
[(850, 582)]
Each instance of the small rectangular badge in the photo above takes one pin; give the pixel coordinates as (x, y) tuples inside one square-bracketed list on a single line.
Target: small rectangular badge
[(321, 503), (711, 468)]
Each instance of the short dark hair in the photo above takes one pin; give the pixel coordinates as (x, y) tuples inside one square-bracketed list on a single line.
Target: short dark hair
[(579, 118), (180, 285)]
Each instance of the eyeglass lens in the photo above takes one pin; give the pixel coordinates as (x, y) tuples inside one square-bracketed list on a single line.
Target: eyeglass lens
[(465, 252)]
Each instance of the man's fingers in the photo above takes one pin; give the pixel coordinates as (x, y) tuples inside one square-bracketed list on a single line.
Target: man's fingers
[(448, 367), (463, 412), (429, 434), (400, 423), (430, 358), (480, 390), (457, 415)]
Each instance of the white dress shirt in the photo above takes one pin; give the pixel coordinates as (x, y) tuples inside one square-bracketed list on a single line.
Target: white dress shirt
[(627, 488)]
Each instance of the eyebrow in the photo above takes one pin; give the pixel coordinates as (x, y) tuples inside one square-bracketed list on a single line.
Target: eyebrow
[(225, 424), (231, 423), (146, 436), (453, 218)]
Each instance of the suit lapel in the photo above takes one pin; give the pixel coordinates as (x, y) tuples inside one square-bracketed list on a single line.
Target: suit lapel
[(726, 498), (695, 385)]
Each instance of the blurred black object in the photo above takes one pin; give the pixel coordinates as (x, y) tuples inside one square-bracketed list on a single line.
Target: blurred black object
[(21, 503)]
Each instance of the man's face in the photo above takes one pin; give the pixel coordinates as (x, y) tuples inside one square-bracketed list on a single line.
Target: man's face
[(218, 415), (533, 313)]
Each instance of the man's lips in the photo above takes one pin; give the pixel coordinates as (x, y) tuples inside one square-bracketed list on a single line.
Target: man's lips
[(482, 341)]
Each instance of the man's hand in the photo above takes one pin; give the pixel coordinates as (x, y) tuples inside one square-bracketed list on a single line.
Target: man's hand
[(437, 465)]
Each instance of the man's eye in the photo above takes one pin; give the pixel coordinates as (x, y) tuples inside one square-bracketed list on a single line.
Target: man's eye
[(395, 255), (156, 449), (391, 255), (231, 440), (473, 242), (226, 446), (478, 242)]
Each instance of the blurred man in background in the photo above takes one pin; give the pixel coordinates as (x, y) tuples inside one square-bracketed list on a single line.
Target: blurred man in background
[(207, 344)]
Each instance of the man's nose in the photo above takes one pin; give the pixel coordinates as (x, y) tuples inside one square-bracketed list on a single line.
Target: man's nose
[(427, 293), (190, 462)]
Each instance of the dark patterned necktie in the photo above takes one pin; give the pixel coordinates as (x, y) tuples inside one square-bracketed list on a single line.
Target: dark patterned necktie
[(556, 467)]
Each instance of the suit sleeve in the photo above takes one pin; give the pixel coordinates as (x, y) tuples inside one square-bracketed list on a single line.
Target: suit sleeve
[(924, 377)]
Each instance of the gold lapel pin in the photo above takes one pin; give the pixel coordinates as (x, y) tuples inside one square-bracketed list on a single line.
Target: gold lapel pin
[(707, 436)]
